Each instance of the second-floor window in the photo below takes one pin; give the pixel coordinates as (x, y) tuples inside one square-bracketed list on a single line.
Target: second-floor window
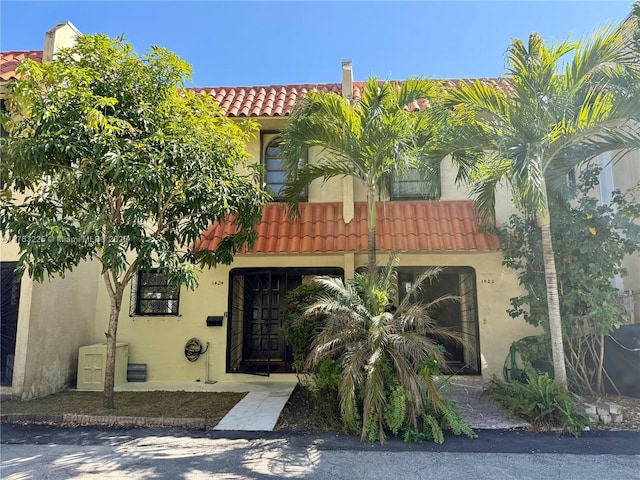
[(407, 185), (275, 173)]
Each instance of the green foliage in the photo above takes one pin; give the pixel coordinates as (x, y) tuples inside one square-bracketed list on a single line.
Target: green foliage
[(590, 241), (388, 359), (114, 157), (430, 426), (395, 411), (324, 384), (327, 379), (368, 138), (118, 163), (567, 103), (541, 401), (299, 332), (433, 423)]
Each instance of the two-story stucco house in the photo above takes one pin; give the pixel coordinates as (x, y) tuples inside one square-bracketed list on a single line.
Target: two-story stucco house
[(237, 309)]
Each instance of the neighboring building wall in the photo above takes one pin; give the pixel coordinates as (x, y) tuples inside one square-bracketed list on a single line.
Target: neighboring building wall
[(55, 320), (55, 317), (626, 175), (622, 172)]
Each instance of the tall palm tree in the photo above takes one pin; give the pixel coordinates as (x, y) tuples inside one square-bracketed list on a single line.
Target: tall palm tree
[(368, 138), (380, 348), (530, 137)]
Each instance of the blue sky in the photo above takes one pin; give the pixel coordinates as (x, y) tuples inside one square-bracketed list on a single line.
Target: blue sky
[(267, 42)]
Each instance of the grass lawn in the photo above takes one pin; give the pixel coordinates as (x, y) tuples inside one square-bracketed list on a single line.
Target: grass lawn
[(209, 405)]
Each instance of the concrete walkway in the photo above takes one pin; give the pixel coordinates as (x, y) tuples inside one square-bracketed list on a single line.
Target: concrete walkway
[(258, 411)]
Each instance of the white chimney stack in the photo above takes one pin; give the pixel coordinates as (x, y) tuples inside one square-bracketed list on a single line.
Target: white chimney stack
[(347, 79), (63, 35)]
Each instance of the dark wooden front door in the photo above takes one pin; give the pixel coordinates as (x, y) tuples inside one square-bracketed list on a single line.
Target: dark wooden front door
[(263, 338), (255, 342), (10, 297)]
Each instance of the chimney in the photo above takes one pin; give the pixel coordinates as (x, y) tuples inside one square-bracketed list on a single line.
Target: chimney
[(63, 35), (347, 79), (348, 206)]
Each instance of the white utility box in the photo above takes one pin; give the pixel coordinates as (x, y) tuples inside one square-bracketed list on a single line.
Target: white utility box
[(92, 362)]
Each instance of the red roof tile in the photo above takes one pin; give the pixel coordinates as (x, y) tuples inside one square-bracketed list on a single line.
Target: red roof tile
[(278, 100), (267, 101), (407, 226), (9, 61), (252, 101)]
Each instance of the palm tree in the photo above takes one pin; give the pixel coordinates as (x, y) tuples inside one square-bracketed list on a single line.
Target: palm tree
[(532, 136), (379, 348), (368, 138)]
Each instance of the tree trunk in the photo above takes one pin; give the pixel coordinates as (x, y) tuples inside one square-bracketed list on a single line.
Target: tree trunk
[(371, 250), (371, 231), (555, 323), (600, 366), (111, 334)]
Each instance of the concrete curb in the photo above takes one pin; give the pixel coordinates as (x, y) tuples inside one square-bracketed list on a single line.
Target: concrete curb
[(108, 421)]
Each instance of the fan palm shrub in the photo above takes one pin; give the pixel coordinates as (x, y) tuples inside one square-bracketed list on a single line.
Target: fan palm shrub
[(389, 357)]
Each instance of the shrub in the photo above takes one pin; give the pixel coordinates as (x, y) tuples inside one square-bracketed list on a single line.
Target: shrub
[(323, 386), (541, 401), (388, 358), (299, 333)]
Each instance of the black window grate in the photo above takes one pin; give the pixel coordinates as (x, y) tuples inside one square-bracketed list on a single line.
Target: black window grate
[(152, 295)]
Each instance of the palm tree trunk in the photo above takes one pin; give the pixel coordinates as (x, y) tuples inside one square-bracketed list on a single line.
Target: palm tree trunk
[(555, 323), (371, 250), (371, 230)]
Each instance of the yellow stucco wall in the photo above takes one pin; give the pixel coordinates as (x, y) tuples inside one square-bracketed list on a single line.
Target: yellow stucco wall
[(159, 341)]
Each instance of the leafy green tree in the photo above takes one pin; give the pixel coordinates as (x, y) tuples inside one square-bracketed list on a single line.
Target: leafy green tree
[(590, 241), (368, 138), (119, 164), (382, 350), (549, 122)]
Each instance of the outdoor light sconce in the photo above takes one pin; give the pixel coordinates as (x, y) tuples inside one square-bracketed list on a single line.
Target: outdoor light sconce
[(214, 321)]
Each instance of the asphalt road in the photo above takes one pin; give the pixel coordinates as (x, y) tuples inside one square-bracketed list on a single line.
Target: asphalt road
[(46, 452)]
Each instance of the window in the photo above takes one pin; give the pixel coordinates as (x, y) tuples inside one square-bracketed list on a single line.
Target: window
[(275, 173), (153, 295), (408, 185)]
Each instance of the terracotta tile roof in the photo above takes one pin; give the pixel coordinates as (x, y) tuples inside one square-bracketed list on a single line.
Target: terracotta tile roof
[(9, 61), (278, 100), (406, 226), (268, 101), (256, 101)]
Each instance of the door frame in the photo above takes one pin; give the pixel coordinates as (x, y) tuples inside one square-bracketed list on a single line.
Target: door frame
[(6, 376)]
